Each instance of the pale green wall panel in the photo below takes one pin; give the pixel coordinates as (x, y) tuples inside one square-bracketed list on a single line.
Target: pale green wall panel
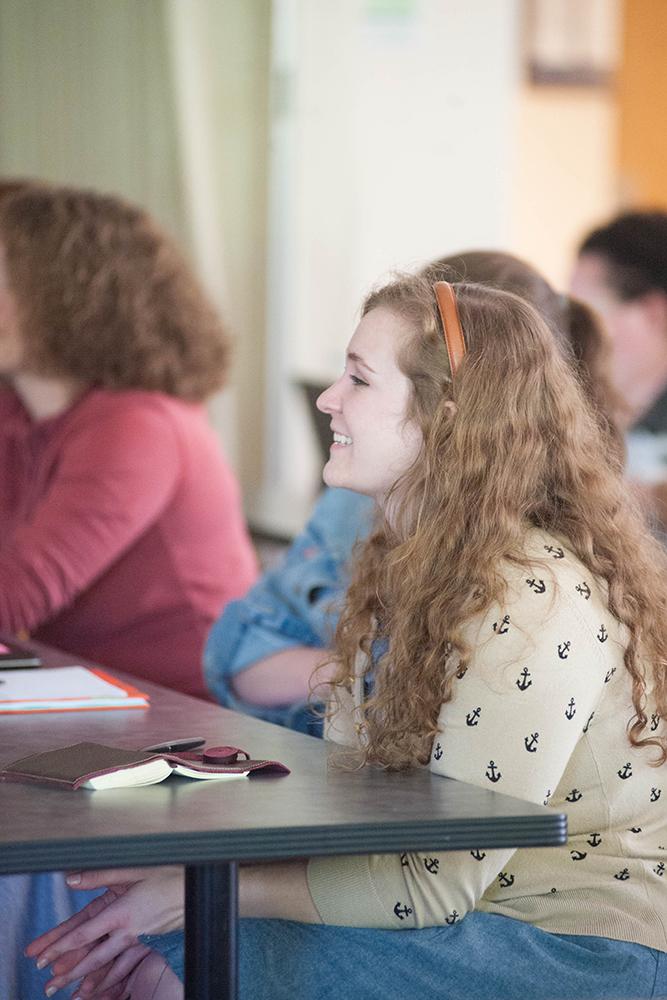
[(86, 97)]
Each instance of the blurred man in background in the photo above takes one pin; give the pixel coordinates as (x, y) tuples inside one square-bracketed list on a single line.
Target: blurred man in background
[(621, 271)]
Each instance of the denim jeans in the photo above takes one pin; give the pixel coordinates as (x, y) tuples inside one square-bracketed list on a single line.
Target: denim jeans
[(30, 905), (485, 957)]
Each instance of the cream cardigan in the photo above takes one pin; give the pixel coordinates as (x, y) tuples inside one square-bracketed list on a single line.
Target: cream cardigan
[(540, 714)]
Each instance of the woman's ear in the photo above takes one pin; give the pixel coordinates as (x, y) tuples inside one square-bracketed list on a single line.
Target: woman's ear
[(451, 409)]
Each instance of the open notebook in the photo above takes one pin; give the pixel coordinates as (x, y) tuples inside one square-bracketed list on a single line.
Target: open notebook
[(94, 765)]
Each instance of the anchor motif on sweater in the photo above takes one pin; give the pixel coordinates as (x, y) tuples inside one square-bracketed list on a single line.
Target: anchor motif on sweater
[(537, 585), (570, 711), (594, 840), (655, 721), (590, 719), (578, 855), (660, 869), (494, 774), (522, 681), (556, 551), (472, 718), (574, 796), (431, 865), (563, 650), (655, 794), (437, 753), (625, 772), (502, 627), (506, 880), (478, 855), (602, 635), (531, 743), (452, 918), (584, 590), (623, 875), (608, 676), (402, 911)]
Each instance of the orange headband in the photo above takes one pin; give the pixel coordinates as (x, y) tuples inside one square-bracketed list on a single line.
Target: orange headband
[(451, 324)]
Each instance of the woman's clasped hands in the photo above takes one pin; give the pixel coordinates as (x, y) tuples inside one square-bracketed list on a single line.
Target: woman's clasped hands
[(99, 945)]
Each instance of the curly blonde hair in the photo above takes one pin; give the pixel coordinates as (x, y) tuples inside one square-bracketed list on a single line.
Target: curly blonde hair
[(103, 296), (575, 326), (522, 448)]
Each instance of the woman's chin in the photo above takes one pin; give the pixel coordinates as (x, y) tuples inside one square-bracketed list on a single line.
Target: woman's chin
[(329, 476), (334, 478)]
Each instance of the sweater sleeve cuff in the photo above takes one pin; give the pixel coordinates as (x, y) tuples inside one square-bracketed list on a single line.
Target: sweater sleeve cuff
[(344, 893)]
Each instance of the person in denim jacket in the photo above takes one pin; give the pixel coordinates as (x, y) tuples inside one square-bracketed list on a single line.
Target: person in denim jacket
[(293, 607), (262, 651)]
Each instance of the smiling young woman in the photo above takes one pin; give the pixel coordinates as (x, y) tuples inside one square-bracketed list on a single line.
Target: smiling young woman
[(504, 627), (262, 651)]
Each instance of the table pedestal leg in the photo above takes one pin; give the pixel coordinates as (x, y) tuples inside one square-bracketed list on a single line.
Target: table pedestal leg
[(211, 913)]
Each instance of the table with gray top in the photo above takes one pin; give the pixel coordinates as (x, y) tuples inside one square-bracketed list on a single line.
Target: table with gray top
[(210, 827)]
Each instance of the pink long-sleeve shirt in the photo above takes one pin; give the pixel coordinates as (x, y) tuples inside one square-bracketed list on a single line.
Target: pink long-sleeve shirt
[(121, 531)]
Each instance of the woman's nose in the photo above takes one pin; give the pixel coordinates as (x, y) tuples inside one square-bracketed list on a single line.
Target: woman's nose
[(329, 400)]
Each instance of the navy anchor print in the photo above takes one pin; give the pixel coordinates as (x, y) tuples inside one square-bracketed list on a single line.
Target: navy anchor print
[(502, 627), (472, 718), (590, 719), (553, 679), (492, 772), (523, 681), (402, 911)]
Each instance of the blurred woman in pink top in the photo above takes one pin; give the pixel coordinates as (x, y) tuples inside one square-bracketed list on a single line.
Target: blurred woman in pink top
[(121, 531)]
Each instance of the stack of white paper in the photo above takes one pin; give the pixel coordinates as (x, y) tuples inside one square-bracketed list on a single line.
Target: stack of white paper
[(65, 689)]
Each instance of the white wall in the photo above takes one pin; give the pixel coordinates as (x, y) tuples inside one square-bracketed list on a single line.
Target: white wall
[(392, 137)]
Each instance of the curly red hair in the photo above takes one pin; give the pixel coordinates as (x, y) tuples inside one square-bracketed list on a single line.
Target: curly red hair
[(103, 295)]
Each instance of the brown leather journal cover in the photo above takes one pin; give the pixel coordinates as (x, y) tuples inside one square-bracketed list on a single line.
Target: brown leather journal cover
[(72, 766)]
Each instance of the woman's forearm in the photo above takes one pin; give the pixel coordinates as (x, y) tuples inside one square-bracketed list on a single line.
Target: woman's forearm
[(277, 891), (284, 678)]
